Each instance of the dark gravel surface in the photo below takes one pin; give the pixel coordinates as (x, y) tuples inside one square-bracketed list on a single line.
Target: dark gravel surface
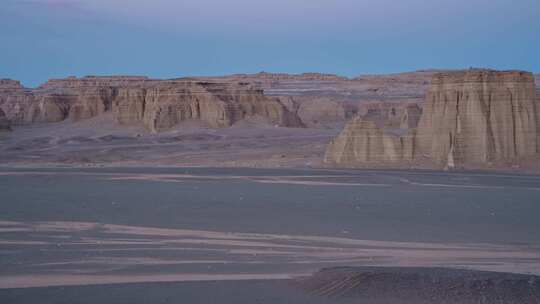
[(423, 285)]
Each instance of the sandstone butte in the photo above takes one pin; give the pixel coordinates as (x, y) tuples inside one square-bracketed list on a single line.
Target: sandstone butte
[(470, 118), (158, 104)]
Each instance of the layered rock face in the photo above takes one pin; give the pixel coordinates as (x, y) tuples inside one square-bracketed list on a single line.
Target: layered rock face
[(158, 104), (362, 141), (320, 111), (382, 133), (479, 117), (469, 118), (265, 76), (391, 115), (216, 104), (538, 123), (14, 99), (410, 117), (328, 101)]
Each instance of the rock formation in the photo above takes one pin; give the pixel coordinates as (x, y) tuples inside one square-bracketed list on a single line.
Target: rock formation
[(320, 100), (328, 101), (14, 99), (362, 142), (479, 117), (288, 77), (410, 117), (320, 111), (538, 123), (391, 115), (469, 118), (159, 104), (216, 104)]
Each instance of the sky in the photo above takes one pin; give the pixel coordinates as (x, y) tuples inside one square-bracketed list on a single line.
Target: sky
[(42, 39)]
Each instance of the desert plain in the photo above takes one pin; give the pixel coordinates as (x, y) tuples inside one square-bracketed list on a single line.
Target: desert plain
[(224, 190)]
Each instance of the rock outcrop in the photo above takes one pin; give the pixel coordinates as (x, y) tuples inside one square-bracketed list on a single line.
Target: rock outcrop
[(14, 100), (538, 123), (158, 104), (328, 101), (391, 115), (320, 111), (363, 142), (410, 116), (216, 104), (288, 77), (469, 118), (479, 117)]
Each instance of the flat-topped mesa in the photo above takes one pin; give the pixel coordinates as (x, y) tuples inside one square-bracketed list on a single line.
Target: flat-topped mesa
[(421, 77), (158, 104), (479, 117), (94, 81), (10, 84), (290, 77)]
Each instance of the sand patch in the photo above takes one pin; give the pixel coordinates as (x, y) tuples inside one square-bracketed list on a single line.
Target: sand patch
[(107, 253)]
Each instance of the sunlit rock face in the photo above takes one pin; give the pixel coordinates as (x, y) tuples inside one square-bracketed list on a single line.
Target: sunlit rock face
[(479, 116), (158, 104)]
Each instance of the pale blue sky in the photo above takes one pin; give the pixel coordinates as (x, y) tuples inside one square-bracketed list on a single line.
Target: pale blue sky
[(41, 39)]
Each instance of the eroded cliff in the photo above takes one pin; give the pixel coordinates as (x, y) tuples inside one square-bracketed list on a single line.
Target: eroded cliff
[(471, 118), (158, 104), (479, 117), (364, 142)]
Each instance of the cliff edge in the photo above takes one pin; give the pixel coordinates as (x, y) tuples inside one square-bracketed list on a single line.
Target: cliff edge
[(472, 118), (158, 104)]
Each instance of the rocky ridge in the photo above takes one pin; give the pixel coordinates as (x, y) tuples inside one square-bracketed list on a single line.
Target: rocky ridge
[(388, 110), (262, 76), (325, 100), (319, 100), (158, 104)]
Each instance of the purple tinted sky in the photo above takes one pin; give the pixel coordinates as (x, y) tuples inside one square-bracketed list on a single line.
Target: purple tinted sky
[(169, 38)]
